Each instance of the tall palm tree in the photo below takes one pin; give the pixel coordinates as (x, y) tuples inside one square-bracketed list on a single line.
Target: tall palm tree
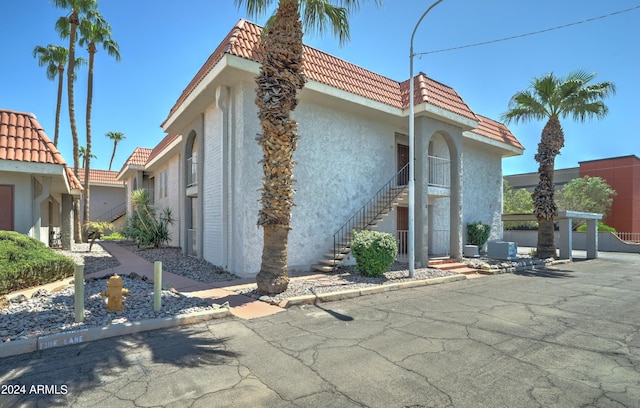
[(552, 98), (117, 137), (67, 27), (54, 58), (281, 76), (83, 154), (94, 30)]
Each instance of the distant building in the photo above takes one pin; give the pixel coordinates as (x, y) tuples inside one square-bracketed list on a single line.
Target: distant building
[(621, 173)]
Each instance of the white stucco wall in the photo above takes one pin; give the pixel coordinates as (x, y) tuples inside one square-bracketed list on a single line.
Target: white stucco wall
[(104, 199), (212, 180), (482, 188), (172, 199)]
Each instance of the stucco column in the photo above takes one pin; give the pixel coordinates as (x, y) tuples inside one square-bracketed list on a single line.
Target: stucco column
[(592, 239), (421, 212), (66, 226), (565, 240), (455, 200)]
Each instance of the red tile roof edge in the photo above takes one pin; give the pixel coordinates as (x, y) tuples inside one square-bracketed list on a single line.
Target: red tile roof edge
[(242, 41), (164, 143), (97, 176), (47, 152), (139, 157), (497, 131)]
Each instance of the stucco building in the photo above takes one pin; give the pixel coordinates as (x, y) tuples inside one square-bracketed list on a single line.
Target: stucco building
[(37, 188), (353, 125)]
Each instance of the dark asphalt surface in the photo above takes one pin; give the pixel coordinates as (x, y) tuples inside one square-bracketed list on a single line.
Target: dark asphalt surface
[(562, 337)]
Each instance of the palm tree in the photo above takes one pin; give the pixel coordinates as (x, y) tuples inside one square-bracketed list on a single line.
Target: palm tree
[(67, 27), (279, 80), (55, 57), (95, 229), (117, 137), (83, 154), (94, 30), (553, 98)]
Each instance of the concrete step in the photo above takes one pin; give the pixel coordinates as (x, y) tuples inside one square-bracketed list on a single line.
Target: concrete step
[(447, 266), (330, 262), (322, 268)]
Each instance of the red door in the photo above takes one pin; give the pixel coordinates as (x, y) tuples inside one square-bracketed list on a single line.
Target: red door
[(6, 207), (403, 158)]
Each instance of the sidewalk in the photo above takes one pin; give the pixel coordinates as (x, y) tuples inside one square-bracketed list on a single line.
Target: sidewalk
[(241, 306)]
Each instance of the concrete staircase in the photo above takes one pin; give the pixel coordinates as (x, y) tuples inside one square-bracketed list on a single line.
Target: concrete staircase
[(367, 219)]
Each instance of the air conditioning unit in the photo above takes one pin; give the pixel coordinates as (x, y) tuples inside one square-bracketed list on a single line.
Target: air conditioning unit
[(502, 250)]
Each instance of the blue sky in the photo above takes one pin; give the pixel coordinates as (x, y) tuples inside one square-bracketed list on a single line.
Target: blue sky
[(163, 43)]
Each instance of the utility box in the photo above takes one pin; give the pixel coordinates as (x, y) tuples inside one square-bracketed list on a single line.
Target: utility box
[(470, 251), (502, 250)]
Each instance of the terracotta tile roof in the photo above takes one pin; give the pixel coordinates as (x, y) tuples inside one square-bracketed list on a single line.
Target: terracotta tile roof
[(139, 157), (496, 131), (244, 41), (23, 139), (73, 180), (166, 141), (100, 177)]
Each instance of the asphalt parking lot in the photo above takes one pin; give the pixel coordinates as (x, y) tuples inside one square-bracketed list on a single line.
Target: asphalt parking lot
[(568, 336)]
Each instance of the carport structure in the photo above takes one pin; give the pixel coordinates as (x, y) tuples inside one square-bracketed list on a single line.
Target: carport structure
[(565, 222)]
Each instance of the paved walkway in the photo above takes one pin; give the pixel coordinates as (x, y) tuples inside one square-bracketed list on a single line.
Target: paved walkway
[(241, 306)]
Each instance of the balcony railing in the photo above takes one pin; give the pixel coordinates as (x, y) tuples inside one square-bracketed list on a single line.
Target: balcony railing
[(192, 171), (629, 237), (192, 243), (439, 172), (403, 246)]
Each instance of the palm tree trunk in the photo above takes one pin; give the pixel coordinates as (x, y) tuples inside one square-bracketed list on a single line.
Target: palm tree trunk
[(74, 21), (545, 208), (87, 187), (58, 104), (113, 154), (279, 79)]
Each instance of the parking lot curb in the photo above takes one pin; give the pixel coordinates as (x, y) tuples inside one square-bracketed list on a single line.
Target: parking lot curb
[(348, 294), (84, 335)]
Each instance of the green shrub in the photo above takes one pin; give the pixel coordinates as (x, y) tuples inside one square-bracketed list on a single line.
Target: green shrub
[(602, 227), (478, 233), (374, 251), (27, 262), (115, 236)]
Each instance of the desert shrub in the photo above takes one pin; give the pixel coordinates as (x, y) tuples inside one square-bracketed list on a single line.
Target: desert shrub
[(26, 262), (115, 236), (478, 233), (374, 251), (602, 227), (144, 226)]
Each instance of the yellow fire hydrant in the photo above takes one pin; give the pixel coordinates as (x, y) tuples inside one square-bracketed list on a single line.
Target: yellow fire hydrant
[(114, 293)]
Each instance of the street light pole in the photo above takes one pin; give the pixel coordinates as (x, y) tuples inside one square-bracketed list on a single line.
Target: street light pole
[(412, 194)]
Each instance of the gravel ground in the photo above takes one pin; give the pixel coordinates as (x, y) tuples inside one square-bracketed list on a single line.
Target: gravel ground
[(345, 278), (47, 313), (175, 262), (96, 260)]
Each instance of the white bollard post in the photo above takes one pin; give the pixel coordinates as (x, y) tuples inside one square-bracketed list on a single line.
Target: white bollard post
[(78, 297), (157, 285)]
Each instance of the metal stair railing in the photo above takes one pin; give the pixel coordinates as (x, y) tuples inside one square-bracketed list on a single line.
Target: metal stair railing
[(114, 213), (381, 201)]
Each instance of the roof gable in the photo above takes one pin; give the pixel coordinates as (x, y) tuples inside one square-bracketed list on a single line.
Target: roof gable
[(23, 139), (244, 41)]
